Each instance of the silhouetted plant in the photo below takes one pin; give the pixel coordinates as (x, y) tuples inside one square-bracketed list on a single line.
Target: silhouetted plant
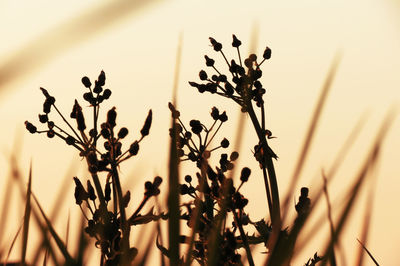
[(244, 88), (110, 228), (214, 208)]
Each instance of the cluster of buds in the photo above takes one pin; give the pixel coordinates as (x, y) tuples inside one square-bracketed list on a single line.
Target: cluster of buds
[(212, 193), (110, 228), (196, 149), (244, 84)]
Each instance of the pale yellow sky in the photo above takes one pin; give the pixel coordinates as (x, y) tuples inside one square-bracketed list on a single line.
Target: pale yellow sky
[(138, 55)]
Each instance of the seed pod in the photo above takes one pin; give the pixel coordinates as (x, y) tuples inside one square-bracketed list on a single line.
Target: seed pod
[(107, 192), (223, 117), (188, 178), (244, 175), (105, 133), (134, 148), (175, 113), (80, 119), (203, 75), (147, 124), (157, 181), (70, 140), (225, 143), (45, 93), (106, 94), (80, 192), (267, 53), (50, 133), (102, 78), (30, 127), (122, 133), (209, 62), (126, 198), (111, 116), (236, 42), (92, 158), (43, 118), (234, 156), (216, 45), (86, 82), (90, 189), (46, 107)]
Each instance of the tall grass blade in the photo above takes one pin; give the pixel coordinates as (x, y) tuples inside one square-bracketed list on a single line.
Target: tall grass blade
[(286, 249), (366, 225), (339, 159), (16, 151), (369, 253), (68, 259), (67, 35), (173, 176), (27, 217), (56, 208), (329, 212), (369, 163), (310, 132), (12, 244), (82, 243)]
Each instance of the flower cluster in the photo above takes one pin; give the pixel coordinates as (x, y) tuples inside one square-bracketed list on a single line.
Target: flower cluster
[(212, 194), (111, 229), (244, 84)]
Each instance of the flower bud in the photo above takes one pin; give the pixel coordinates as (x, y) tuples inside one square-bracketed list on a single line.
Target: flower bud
[(209, 62), (86, 82), (147, 124), (30, 127), (267, 53), (225, 143), (134, 148), (217, 46), (111, 116), (244, 175), (236, 42), (122, 133)]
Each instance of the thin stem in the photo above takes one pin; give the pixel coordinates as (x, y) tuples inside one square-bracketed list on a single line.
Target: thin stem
[(269, 165), (244, 239), (212, 137), (240, 59), (124, 223), (68, 124), (139, 208)]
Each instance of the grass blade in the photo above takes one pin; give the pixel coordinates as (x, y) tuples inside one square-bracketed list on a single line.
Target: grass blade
[(12, 244), (310, 132), (366, 225), (173, 176), (370, 161), (329, 213), (66, 35), (27, 216), (68, 259), (369, 253)]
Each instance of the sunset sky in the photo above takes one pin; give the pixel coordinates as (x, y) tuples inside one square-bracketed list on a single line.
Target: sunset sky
[(57, 43)]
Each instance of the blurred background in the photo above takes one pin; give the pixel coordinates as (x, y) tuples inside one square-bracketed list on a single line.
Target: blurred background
[(54, 44)]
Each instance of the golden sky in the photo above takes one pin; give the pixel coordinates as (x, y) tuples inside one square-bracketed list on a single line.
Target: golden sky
[(137, 51)]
